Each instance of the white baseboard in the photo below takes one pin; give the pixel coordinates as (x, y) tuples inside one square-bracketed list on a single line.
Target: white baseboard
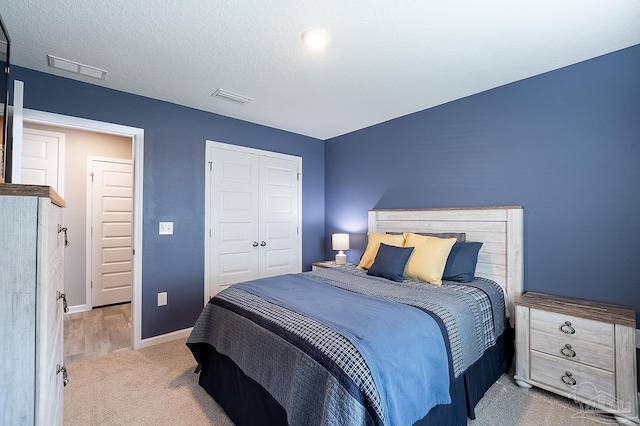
[(164, 338), (81, 308)]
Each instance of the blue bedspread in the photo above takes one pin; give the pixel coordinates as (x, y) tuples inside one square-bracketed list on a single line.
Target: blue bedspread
[(315, 373), (403, 346)]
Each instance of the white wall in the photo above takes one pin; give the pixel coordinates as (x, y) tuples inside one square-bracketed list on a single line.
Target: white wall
[(80, 144)]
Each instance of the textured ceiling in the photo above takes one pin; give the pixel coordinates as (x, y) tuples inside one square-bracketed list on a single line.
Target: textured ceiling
[(384, 59)]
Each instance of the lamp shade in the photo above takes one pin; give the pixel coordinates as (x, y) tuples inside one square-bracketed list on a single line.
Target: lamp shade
[(340, 241)]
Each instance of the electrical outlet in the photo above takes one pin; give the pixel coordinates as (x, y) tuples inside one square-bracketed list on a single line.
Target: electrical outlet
[(166, 228), (162, 298)]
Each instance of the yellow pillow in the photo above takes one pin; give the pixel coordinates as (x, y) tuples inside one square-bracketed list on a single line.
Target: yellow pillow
[(374, 244), (428, 258)]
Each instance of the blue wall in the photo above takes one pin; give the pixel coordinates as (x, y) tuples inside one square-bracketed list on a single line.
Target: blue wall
[(174, 156), (565, 145)]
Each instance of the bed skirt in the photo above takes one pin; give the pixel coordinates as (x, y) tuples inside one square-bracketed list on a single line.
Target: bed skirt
[(246, 402)]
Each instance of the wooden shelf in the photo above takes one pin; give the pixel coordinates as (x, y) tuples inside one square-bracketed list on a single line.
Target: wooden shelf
[(597, 311), (31, 191)]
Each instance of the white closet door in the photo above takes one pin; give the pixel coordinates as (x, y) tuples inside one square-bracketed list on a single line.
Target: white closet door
[(234, 220), (253, 211), (278, 216)]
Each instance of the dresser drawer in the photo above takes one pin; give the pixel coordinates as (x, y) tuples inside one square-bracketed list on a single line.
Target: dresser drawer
[(590, 383), (572, 328), (582, 351)]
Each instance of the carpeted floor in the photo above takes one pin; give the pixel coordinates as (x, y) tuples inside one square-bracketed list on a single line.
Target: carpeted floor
[(156, 386)]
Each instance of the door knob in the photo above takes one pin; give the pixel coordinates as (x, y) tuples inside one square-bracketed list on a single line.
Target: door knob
[(263, 243), (255, 244)]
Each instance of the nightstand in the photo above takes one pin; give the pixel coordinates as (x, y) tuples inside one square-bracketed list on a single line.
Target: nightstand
[(579, 349), (325, 264)]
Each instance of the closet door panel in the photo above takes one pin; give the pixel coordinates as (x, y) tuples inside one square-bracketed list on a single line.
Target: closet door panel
[(234, 202), (278, 216)]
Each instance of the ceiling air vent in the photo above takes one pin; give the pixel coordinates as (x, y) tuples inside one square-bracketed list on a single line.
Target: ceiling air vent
[(75, 67), (230, 96)]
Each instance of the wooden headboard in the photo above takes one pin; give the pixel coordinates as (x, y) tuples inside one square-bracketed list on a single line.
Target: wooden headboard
[(500, 230)]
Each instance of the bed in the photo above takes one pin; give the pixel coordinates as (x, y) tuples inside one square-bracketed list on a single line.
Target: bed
[(340, 346)]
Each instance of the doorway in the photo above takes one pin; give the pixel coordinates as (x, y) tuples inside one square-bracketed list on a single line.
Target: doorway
[(136, 136)]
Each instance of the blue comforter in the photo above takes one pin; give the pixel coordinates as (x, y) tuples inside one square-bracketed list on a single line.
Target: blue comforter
[(402, 346), (319, 376)]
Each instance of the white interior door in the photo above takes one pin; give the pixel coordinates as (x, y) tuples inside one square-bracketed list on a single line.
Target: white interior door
[(278, 216), (234, 222), (253, 215), (43, 159), (111, 226)]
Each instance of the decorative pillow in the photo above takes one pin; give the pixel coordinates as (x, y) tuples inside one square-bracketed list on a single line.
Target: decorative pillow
[(369, 254), (461, 264), (429, 257), (390, 262), (459, 236)]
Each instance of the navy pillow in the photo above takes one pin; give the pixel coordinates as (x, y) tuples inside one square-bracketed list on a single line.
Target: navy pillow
[(390, 262), (461, 263)]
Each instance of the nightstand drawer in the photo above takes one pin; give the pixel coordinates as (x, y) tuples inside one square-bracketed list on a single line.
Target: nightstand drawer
[(590, 383), (572, 328), (593, 354)]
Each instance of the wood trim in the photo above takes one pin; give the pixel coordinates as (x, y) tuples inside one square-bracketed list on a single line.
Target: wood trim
[(20, 190), (597, 311)]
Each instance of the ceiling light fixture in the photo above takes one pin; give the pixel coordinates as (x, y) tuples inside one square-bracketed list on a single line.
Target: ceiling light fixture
[(230, 96), (315, 38), (76, 67)]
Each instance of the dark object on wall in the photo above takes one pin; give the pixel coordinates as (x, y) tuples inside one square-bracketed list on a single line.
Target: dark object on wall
[(5, 48)]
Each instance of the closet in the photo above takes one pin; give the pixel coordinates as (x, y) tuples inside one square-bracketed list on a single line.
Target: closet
[(253, 215), (32, 241)]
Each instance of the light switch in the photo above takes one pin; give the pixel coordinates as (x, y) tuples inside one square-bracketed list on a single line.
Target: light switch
[(162, 298), (166, 228)]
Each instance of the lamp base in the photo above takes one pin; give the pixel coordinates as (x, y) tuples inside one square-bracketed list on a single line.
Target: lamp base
[(341, 258)]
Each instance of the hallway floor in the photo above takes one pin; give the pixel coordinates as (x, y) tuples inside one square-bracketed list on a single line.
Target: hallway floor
[(98, 332)]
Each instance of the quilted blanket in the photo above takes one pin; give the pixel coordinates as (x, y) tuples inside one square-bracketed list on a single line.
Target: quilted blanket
[(313, 370)]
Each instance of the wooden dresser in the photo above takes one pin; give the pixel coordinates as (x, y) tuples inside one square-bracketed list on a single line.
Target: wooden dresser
[(579, 349), (32, 242)]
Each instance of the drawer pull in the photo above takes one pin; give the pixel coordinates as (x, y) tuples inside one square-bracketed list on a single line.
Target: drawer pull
[(567, 328), (568, 379), (63, 296), (567, 351), (62, 369)]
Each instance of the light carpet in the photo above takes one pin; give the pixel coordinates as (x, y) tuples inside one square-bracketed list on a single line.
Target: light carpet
[(157, 386)]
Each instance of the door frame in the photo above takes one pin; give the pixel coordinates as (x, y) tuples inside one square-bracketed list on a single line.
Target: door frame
[(208, 293), (137, 146), (89, 223)]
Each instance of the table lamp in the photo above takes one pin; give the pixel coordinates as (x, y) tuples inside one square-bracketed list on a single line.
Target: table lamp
[(340, 242)]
